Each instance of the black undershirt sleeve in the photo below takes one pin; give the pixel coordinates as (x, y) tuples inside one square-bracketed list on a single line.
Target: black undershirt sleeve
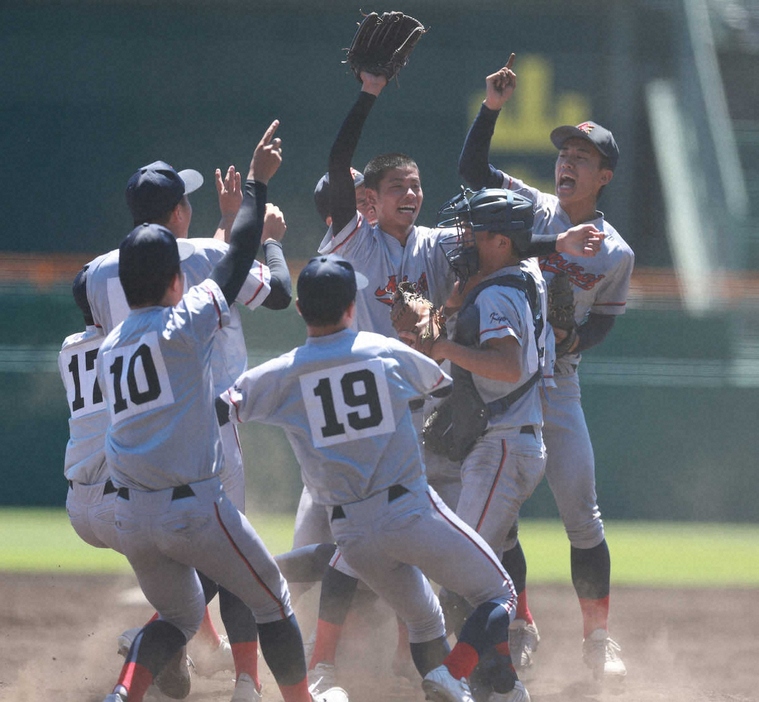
[(594, 331), (478, 173), (342, 192), (474, 167), (232, 269), (281, 285)]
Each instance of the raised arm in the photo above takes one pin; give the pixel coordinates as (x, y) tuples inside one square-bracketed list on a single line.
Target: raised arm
[(232, 270), (474, 166), (280, 295), (342, 192), (229, 189)]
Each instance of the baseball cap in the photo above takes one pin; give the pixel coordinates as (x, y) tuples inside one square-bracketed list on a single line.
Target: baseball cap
[(321, 192), (326, 286), (148, 258), (157, 188), (597, 135)]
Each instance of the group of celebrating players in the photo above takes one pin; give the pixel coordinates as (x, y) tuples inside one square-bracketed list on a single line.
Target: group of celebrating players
[(158, 382)]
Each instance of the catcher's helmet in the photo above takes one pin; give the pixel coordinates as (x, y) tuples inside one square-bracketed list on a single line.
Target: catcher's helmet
[(490, 209)]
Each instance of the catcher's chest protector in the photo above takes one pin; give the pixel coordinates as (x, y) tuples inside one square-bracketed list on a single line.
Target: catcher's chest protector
[(468, 320)]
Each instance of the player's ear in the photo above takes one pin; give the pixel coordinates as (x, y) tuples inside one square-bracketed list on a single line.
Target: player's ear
[(606, 175), (371, 196), (297, 307)]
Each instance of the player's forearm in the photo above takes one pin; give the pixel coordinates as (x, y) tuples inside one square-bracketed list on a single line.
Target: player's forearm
[(342, 192), (540, 245), (281, 291), (473, 161), (494, 364), (233, 268), (594, 331)]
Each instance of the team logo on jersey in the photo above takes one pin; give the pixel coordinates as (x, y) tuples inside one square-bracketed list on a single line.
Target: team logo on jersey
[(385, 295), (556, 263)]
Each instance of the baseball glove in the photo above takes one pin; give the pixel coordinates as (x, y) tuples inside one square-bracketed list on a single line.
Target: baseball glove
[(561, 311), (383, 43), (415, 319)]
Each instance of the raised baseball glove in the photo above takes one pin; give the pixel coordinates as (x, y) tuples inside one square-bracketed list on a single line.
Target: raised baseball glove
[(415, 319), (383, 43), (561, 311)]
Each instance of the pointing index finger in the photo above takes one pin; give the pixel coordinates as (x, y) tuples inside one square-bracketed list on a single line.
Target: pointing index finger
[(270, 132), (510, 62)]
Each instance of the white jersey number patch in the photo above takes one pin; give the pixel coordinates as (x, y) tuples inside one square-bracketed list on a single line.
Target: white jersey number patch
[(137, 377), (82, 388), (347, 403)]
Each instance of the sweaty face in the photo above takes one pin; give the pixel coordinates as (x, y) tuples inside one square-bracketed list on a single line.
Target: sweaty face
[(398, 199), (578, 173)]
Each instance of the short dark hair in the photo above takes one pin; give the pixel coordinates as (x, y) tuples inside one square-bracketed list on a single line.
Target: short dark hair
[(148, 262), (377, 168)]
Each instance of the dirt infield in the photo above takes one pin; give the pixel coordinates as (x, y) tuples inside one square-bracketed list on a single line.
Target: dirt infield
[(58, 643)]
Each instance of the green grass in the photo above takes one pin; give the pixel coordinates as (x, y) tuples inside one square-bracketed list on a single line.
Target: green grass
[(643, 553)]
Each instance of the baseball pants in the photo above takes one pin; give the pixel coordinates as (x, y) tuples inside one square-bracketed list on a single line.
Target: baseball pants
[(501, 471), (570, 467), (167, 534), (397, 537)]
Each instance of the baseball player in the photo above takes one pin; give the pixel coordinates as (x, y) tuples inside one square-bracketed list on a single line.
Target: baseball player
[(172, 514), (392, 250), (588, 155), (90, 497), (157, 193), (343, 401), (497, 354), (312, 524)]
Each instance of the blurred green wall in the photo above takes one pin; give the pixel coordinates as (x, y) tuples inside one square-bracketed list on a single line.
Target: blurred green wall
[(93, 90)]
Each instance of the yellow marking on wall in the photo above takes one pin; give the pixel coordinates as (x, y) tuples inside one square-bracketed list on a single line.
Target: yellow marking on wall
[(531, 114)]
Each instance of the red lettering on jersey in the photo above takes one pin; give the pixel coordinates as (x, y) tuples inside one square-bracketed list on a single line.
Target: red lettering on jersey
[(385, 295), (556, 263)]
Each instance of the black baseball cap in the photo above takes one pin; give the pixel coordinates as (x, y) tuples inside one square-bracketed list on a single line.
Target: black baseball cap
[(597, 135), (157, 188), (326, 286), (321, 192), (148, 259)]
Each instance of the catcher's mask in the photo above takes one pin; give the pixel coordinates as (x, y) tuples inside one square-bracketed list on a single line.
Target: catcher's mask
[(490, 209)]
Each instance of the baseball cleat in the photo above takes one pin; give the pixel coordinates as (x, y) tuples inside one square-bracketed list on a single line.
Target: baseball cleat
[(440, 686), (115, 697), (331, 694), (174, 680), (209, 662), (125, 640), (518, 694), (523, 642), (245, 690), (600, 653), (322, 677)]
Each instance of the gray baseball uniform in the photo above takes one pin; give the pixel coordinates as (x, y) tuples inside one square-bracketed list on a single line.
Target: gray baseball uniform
[(91, 494), (229, 357), (342, 400), (172, 514), (600, 286), (507, 461), (385, 263)]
